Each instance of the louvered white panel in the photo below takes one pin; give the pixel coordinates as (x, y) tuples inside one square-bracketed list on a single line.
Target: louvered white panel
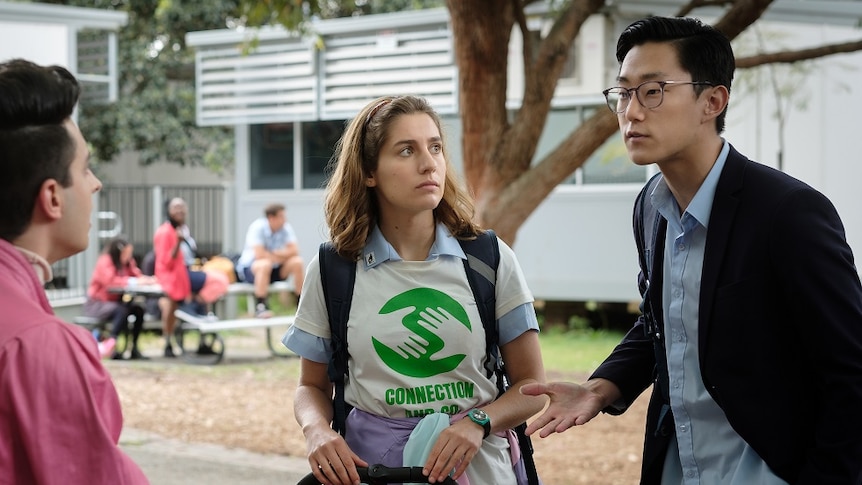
[(276, 82), (358, 68)]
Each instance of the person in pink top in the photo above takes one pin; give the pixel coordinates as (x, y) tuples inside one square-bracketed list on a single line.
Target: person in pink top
[(116, 267), (185, 288), (60, 416), (171, 269)]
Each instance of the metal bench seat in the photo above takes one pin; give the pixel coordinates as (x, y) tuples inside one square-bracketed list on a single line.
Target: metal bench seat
[(211, 344)]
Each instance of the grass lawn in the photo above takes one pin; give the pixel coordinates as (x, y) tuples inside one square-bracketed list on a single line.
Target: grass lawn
[(576, 351)]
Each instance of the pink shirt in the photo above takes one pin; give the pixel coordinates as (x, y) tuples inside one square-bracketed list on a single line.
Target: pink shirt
[(60, 416), (105, 275)]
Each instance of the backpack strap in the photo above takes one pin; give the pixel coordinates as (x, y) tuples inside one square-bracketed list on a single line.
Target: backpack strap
[(337, 276), (649, 237), (483, 259)]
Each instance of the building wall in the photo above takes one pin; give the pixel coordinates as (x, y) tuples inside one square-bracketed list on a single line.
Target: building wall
[(822, 129), (37, 42)]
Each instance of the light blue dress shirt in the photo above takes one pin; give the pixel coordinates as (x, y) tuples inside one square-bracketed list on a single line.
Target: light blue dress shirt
[(705, 448)]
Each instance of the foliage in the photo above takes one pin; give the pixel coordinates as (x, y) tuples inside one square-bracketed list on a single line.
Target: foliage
[(155, 113), (294, 15)]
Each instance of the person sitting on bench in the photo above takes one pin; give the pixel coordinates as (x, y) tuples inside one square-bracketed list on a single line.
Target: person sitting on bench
[(271, 253), (115, 268)]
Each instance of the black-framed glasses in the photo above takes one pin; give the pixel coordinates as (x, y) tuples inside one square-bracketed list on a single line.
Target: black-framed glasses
[(650, 94)]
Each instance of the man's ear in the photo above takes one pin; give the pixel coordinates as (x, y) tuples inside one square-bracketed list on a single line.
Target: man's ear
[(716, 101), (49, 202)]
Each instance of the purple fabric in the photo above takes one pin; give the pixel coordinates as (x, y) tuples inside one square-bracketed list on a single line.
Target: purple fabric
[(381, 440), (376, 439)]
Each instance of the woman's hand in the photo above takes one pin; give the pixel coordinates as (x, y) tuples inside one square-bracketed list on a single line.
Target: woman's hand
[(331, 460), (455, 448)]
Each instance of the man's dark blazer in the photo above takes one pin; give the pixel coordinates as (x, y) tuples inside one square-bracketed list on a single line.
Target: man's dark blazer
[(780, 330)]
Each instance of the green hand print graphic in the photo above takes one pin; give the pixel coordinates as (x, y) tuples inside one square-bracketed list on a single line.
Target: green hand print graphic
[(431, 310)]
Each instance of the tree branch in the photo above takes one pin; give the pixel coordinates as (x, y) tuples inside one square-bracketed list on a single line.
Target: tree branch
[(694, 4), (520, 143), (789, 57), (526, 43), (740, 16)]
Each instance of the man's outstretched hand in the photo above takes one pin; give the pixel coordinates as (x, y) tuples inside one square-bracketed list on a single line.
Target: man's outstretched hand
[(571, 405)]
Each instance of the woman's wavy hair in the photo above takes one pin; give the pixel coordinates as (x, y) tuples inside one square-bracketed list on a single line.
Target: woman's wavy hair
[(352, 208)]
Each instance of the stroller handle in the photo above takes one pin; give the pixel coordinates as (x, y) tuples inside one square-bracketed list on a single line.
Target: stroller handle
[(381, 475)]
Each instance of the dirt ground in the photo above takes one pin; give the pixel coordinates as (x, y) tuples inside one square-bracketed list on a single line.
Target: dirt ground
[(247, 402)]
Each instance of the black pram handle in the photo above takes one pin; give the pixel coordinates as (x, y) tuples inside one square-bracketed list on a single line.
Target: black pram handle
[(381, 475)]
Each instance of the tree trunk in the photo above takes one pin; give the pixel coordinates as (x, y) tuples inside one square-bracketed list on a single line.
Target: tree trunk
[(481, 31)]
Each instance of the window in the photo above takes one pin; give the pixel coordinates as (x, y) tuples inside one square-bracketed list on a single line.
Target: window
[(271, 156), (273, 151), (318, 146), (610, 164)]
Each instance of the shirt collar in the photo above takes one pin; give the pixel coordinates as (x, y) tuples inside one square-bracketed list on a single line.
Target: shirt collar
[(378, 250), (700, 206), (39, 264)]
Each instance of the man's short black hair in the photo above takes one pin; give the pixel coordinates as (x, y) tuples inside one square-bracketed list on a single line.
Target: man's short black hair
[(34, 144)]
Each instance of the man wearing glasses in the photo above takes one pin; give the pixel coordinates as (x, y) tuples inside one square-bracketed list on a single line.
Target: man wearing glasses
[(752, 324)]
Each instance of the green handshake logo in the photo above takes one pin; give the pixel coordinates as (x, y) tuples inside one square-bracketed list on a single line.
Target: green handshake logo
[(432, 310)]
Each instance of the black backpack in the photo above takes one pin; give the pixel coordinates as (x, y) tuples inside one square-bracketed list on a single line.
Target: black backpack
[(338, 276)]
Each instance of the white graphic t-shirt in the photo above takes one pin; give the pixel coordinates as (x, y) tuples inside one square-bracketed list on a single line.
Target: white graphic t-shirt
[(414, 334), (415, 338), (418, 341)]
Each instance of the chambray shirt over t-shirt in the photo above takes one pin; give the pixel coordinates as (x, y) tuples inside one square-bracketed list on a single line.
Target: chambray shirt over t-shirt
[(705, 448), (416, 329)]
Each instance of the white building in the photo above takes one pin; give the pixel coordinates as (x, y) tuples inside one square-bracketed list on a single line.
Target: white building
[(289, 99)]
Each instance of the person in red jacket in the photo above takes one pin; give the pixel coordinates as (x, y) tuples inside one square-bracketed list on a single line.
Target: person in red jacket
[(116, 267), (60, 416), (185, 288), (171, 269)]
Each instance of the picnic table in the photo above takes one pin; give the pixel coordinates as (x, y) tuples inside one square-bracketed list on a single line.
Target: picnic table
[(201, 338), (207, 332)]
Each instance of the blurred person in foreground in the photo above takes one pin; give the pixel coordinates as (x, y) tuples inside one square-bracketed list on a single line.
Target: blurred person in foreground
[(752, 307), (60, 416)]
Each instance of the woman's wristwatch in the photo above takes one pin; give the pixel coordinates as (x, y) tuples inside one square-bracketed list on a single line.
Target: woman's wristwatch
[(481, 418)]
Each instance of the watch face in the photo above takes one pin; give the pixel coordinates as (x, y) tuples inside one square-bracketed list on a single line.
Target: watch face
[(479, 414)]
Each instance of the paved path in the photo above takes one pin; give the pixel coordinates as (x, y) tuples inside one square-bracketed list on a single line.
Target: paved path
[(168, 461)]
